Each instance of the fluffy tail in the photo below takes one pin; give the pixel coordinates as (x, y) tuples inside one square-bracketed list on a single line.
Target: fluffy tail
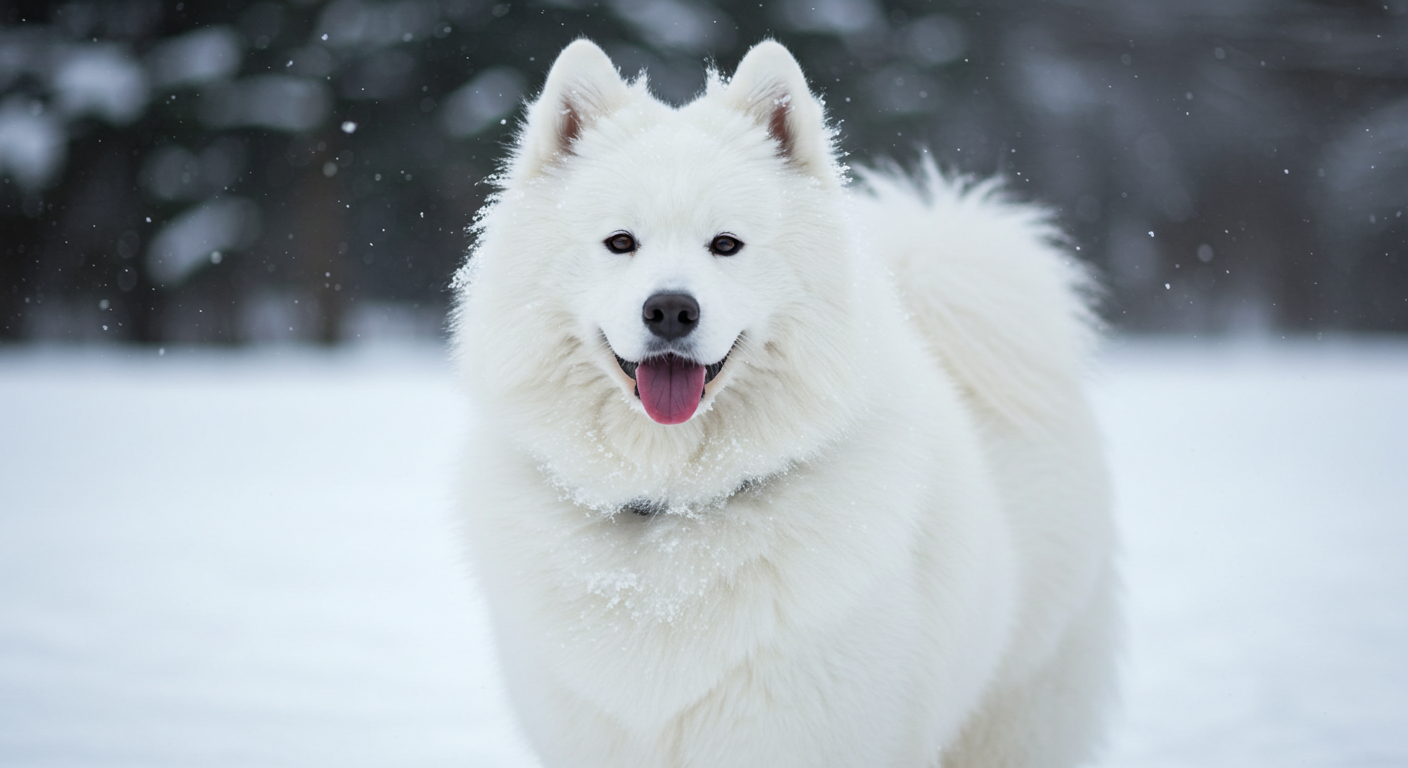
[(988, 283)]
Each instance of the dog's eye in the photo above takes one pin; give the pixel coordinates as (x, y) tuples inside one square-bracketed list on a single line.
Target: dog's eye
[(621, 242), (725, 245)]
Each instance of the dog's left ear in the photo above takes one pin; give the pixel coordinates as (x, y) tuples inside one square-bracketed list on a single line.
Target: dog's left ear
[(769, 87), (581, 88)]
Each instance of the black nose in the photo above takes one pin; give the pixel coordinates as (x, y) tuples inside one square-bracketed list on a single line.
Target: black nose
[(670, 315)]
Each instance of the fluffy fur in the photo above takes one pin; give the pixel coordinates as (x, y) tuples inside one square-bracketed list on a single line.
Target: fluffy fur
[(882, 540)]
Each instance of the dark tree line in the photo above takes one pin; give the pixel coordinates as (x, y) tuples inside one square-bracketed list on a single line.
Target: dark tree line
[(229, 171)]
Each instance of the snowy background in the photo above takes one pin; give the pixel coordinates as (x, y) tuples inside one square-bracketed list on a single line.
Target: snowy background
[(233, 558), (244, 553)]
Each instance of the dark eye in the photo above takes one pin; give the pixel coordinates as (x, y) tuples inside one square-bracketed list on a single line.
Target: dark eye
[(725, 245), (621, 242)]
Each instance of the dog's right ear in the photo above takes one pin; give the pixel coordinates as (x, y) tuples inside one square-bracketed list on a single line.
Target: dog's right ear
[(582, 87), (770, 88)]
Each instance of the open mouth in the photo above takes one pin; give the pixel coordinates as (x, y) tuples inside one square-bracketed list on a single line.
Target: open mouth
[(669, 386)]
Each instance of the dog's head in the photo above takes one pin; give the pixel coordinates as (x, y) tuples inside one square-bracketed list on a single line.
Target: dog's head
[(655, 258)]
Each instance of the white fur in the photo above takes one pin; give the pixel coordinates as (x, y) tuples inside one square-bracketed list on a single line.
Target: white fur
[(887, 540)]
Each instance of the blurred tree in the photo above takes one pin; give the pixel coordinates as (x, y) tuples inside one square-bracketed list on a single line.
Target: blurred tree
[(228, 171)]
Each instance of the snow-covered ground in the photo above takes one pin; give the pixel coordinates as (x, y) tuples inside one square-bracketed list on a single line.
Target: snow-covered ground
[(248, 558)]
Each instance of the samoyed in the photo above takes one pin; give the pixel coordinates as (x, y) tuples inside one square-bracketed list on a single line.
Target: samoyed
[(770, 469)]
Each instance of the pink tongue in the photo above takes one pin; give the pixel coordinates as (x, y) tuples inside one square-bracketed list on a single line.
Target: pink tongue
[(670, 388)]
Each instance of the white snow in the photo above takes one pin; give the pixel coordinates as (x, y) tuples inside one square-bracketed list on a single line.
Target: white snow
[(192, 239), (236, 560), (102, 80), (32, 143), (1263, 494), (206, 54), (249, 558), (473, 106), (678, 24), (358, 24)]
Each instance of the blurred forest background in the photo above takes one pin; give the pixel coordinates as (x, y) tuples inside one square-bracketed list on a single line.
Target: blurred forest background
[(228, 172)]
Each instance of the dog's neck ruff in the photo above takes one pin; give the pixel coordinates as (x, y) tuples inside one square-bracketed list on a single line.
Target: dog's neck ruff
[(651, 507)]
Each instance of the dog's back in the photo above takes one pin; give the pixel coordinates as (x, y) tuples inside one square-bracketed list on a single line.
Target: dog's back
[(1003, 308)]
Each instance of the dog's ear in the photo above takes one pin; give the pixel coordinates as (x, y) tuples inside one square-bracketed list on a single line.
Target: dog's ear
[(770, 88), (581, 88)]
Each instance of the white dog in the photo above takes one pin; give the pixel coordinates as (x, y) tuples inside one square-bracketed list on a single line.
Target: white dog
[(769, 472)]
